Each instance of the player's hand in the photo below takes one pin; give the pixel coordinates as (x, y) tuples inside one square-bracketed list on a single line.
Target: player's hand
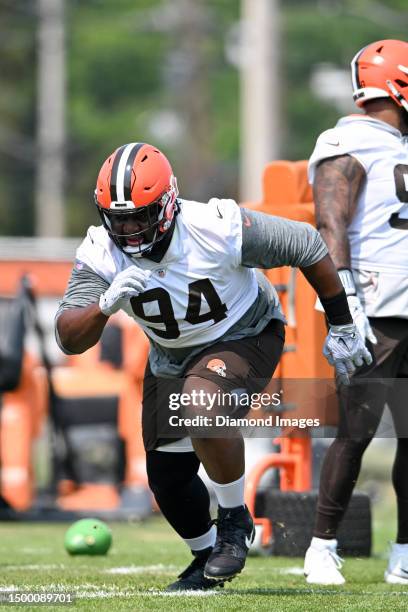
[(345, 349), (126, 284), (360, 319)]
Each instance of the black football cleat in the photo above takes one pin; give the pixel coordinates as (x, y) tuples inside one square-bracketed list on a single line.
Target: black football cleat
[(193, 579), (235, 534)]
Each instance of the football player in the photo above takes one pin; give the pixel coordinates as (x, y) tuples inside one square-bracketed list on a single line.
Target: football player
[(184, 271), (359, 171)]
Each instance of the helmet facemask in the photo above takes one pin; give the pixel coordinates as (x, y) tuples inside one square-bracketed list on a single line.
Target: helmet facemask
[(150, 223)]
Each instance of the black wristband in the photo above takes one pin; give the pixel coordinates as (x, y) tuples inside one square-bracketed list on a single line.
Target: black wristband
[(337, 309)]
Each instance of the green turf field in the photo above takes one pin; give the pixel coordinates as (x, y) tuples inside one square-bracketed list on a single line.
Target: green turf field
[(145, 557)]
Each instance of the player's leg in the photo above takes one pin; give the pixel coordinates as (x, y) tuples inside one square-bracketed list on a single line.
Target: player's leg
[(224, 462), (358, 422), (340, 470), (397, 568), (181, 495), (241, 364), (361, 408), (184, 501), (179, 492)]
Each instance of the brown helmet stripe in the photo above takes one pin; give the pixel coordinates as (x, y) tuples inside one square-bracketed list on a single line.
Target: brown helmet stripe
[(354, 69), (114, 173), (121, 175), (127, 179)]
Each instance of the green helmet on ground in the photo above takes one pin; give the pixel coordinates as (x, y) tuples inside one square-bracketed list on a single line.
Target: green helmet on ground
[(88, 537)]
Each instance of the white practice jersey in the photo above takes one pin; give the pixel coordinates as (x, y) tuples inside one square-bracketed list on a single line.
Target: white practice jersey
[(378, 232), (181, 306)]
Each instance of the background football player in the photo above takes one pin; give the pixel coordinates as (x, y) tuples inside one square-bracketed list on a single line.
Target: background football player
[(184, 271), (359, 171)]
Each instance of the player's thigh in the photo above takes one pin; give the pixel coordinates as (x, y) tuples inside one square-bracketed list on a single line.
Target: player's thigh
[(398, 397), (242, 363), (362, 403), (157, 408), (264, 354), (223, 377), (361, 406), (388, 353)]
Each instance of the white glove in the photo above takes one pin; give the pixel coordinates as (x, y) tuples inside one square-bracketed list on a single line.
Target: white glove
[(126, 284), (356, 308), (360, 319), (344, 349)]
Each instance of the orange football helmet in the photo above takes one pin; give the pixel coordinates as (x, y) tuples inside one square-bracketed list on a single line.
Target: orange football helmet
[(136, 189), (380, 70)]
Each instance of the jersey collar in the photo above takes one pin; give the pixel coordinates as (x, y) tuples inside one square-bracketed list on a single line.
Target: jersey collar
[(381, 125)]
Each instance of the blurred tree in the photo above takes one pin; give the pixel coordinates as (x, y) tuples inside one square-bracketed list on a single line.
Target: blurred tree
[(333, 35), (17, 116), (159, 71), (151, 71)]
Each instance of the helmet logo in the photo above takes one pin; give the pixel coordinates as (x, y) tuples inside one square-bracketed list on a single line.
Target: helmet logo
[(217, 366)]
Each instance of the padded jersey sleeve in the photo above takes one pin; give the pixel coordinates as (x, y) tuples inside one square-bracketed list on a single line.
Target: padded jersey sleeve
[(99, 254), (352, 136), (271, 242), (217, 227), (84, 287)]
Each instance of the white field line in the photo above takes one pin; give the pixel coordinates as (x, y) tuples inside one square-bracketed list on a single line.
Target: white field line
[(142, 569), (30, 550), (31, 566), (93, 591), (139, 569), (90, 591), (33, 550), (107, 594), (295, 571)]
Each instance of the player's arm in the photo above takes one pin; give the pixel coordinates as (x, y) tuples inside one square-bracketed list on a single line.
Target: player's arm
[(337, 184), (336, 187), (88, 303), (80, 328), (269, 242), (79, 322)]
